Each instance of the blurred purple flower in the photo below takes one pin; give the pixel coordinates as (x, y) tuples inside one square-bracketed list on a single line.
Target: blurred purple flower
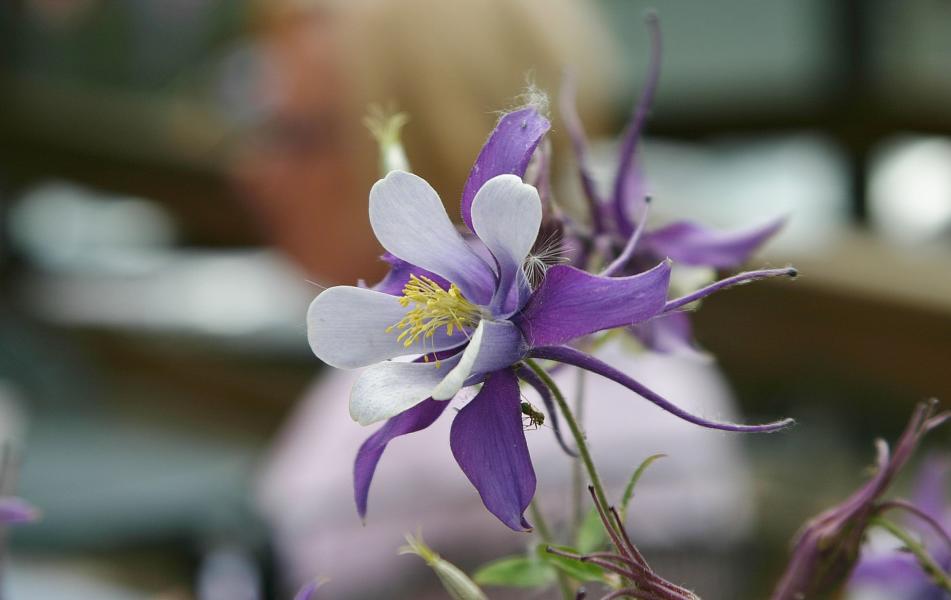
[(15, 511), (470, 315), (827, 548), (309, 591), (618, 221)]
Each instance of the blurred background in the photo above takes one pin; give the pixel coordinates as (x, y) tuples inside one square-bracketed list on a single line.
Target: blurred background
[(179, 178)]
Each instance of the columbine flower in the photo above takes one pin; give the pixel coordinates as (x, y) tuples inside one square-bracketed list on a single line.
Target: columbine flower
[(827, 548), (617, 229), (472, 320)]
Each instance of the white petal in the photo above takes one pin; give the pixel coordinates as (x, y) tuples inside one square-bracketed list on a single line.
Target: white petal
[(453, 380), (386, 389), (346, 328), (506, 215), (410, 221), (494, 345)]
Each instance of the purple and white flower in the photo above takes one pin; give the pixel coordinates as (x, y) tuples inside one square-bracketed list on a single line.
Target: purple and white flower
[(467, 315)]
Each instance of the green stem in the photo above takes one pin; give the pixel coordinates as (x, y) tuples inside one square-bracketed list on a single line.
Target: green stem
[(938, 575), (575, 431), (544, 532), (577, 481)]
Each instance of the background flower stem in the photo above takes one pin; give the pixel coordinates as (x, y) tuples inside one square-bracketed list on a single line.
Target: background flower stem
[(544, 532), (937, 574), (577, 474)]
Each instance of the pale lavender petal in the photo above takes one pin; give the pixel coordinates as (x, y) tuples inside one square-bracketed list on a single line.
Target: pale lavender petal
[(507, 151), (723, 284), (399, 274), (570, 303), (488, 442), (411, 223), (693, 244), (506, 215), (347, 328), (577, 358), (388, 388), (629, 183), (15, 510), (419, 417), (579, 143)]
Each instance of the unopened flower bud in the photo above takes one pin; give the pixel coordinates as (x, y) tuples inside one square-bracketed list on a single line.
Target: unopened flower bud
[(386, 125), (457, 583)]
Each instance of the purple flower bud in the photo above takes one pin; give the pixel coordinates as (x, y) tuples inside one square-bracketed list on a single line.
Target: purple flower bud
[(827, 547)]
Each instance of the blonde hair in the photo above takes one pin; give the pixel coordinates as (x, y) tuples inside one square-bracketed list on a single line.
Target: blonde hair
[(453, 65), (450, 65)]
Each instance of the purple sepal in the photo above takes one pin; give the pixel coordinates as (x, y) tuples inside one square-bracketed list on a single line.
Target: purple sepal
[(670, 333), (419, 417), (570, 356), (14, 511), (579, 143), (399, 273), (692, 244), (629, 183), (571, 303), (488, 442), (507, 151), (738, 279), (529, 377)]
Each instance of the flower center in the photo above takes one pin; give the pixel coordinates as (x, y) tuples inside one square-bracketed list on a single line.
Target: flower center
[(433, 308)]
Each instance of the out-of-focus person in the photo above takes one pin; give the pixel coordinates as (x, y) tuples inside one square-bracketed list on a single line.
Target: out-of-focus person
[(309, 163)]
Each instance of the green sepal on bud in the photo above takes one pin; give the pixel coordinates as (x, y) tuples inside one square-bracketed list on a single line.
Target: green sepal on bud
[(457, 583), (386, 126)]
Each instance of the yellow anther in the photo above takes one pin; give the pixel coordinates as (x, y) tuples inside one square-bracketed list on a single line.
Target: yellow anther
[(433, 308)]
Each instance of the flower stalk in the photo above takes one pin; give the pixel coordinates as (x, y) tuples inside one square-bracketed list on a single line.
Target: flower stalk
[(938, 575), (576, 432), (544, 532), (638, 580)]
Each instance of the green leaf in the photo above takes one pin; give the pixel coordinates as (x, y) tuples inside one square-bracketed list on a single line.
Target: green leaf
[(629, 490), (591, 535), (575, 569), (516, 571)]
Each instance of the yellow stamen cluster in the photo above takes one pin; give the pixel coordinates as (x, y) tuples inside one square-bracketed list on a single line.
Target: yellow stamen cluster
[(433, 309)]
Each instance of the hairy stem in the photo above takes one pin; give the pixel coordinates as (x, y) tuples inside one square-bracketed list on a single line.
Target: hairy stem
[(575, 428), (577, 476)]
